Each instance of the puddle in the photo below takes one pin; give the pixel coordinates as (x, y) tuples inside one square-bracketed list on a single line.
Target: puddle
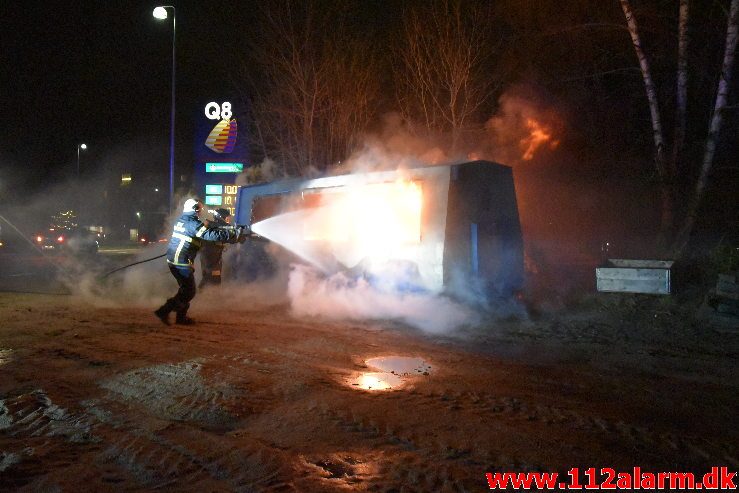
[(400, 365), (395, 371), (377, 381), (6, 356), (345, 469)]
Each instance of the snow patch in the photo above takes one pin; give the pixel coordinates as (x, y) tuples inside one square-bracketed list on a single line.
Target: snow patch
[(5, 418), (7, 459)]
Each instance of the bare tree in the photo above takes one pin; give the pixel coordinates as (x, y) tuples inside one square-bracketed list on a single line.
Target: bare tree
[(681, 100), (443, 80), (667, 169), (722, 96), (312, 85), (353, 90), (658, 136)]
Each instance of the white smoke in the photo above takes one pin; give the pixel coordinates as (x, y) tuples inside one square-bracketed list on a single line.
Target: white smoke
[(395, 147), (329, 294), (266, 171), (341, 297), (148, 285)]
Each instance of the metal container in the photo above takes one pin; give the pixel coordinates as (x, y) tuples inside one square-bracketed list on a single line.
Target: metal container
[(469, 226), (634, 276)]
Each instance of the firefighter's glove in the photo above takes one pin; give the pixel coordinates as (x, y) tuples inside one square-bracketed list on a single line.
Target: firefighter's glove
[(242, 232), (234, 234)]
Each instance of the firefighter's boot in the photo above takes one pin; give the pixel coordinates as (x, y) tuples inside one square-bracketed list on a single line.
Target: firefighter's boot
[(163, 312), (182, 318)]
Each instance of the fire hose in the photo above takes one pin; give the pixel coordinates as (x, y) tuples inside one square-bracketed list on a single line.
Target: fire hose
[(131, 265), (241, 239)]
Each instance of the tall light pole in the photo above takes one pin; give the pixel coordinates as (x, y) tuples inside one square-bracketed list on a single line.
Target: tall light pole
[(78, 194), (83, 147), (161, 13)]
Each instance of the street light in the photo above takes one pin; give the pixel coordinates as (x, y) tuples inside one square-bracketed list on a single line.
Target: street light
[(83, 147), (77, 195), (161, 14)]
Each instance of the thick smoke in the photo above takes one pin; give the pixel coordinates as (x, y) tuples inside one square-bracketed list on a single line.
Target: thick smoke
[(322, 291), (137, 285), (525, 126), (261, 275), (342, 297), (341, 281), (148, 284), (396, 146), (265, 171)]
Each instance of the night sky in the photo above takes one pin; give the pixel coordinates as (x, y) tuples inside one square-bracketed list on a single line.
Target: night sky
[(99, 73)]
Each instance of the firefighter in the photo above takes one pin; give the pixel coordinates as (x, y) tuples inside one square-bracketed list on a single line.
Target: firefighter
[(188, 235), (211, 261)]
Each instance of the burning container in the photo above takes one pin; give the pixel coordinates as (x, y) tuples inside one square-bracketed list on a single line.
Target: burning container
[(453, 226)]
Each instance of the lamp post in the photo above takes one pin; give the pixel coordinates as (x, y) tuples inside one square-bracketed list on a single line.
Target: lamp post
[(83, 147), (161, 14), (77, 195)]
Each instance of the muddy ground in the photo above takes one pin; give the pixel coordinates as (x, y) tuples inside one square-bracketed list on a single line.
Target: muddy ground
[(109, 399)]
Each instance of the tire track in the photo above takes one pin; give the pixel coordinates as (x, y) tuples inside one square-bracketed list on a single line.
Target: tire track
[(174, 392), (181, 455), (515, 410)]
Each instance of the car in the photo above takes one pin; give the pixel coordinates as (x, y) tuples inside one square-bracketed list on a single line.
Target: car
[(71, 241)]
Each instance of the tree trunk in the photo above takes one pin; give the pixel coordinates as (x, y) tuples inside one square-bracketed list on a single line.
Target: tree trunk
[(713, 133), (682, 88), (657, 133)]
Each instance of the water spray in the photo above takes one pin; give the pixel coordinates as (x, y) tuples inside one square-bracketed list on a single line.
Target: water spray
[(35, 247)]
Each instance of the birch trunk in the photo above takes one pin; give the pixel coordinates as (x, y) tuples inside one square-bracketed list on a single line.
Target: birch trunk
[(713, 133), (682, 88), (657, 133)]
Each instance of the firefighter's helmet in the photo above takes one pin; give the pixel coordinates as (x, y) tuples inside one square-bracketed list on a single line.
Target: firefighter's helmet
[(191, 205)]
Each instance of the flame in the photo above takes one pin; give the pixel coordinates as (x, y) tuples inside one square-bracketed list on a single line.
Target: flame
[(538, 136), (372, 220)]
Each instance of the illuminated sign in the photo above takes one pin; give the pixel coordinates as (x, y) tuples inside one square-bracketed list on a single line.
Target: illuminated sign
[(222, 138), (214, 111), (224, 167), (219, 155), (221, 194)]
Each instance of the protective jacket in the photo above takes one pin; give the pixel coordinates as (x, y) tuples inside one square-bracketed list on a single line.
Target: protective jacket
[(187, 236), (220, 224)]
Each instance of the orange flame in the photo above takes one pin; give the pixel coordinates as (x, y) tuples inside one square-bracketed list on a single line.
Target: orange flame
[(538, 136)]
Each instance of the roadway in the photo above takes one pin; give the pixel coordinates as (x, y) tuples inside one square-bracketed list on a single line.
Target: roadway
[(39, 272)]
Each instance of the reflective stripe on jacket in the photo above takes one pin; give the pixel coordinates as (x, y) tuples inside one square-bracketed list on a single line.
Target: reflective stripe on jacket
[(187, 235)]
